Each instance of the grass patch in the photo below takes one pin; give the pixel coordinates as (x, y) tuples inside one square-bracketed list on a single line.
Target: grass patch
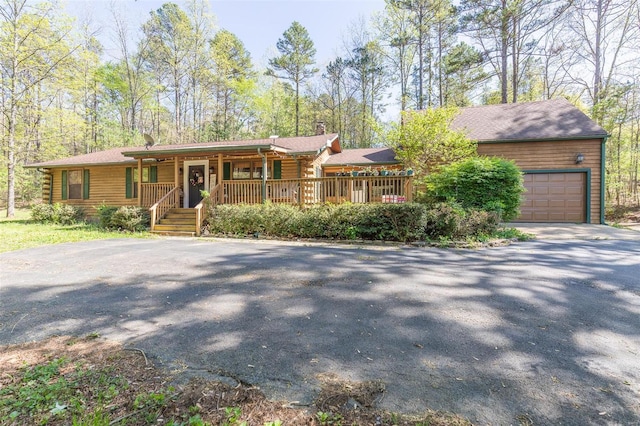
[(88, 381), (20, 233)]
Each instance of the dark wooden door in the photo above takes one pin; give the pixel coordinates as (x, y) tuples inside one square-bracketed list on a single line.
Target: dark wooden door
[(196, 184)]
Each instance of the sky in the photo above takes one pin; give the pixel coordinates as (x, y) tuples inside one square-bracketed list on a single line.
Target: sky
[(257, 23)]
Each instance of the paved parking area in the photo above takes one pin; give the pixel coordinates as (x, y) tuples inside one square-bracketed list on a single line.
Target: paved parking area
[(581, 231), (546, 330)]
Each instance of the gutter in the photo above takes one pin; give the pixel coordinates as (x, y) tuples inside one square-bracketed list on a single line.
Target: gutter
[(200, 149), (569, 138), (74, 165)]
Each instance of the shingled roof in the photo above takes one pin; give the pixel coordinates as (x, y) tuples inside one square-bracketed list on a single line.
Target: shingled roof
[(362, 156), (544, 120), (124, 155), (110, 156), (292, 145)]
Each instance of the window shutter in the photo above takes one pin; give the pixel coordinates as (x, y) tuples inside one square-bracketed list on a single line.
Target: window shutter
[(128, 178), (51, 187), (277, 169), (226, 175), (64, 185), (85, 185), (153, 174)]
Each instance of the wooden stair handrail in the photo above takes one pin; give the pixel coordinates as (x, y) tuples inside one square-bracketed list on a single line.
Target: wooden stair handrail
[(163, 205), (213, 200)]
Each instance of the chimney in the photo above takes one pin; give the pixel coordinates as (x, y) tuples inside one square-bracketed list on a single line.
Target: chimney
[(320, 129)]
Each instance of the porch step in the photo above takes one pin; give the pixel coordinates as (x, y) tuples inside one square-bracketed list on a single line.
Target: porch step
[(177, 222), (174, 233), (180, 228)]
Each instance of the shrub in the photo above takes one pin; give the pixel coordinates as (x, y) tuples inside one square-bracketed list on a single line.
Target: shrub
[(124, 218), (443, 220), (60, 214), (104, 215), (484, 183), (389, 222)]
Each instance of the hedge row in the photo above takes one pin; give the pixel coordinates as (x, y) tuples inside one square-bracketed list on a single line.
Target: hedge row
[(390, 222)]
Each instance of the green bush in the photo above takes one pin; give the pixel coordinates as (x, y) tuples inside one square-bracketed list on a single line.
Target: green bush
[(484, 183), (104, 215), (389, 222), (443, 220), (124, 218), (60, 214)]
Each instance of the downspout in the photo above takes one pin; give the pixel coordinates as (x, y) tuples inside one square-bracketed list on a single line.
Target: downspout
[(264, 175), (603, 156)]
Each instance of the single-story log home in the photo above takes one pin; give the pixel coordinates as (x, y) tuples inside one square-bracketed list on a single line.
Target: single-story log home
[(559, 148)]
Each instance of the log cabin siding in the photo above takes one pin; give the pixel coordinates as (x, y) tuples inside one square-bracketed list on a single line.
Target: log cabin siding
[(554, 155), (107, 185)]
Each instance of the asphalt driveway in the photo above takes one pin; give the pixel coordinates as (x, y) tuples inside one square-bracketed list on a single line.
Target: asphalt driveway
[(543, 331)]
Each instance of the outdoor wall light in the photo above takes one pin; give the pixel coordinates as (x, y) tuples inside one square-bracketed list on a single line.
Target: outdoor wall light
[(210, 170), (579, 158), (180, 170)]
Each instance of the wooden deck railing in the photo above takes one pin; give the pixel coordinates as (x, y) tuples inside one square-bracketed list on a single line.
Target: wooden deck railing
[(152, 192), (217, 195), (339, 189), (202, 209), (169, 201)]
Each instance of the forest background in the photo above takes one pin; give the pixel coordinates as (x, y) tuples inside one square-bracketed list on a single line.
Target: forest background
[(180, 78)]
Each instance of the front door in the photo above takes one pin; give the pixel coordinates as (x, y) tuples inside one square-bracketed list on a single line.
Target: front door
[(196, 184)]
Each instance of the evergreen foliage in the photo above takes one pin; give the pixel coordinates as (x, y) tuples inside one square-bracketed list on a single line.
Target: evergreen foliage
[(483, 183)]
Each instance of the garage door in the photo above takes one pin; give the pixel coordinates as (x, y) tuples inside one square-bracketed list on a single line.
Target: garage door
[(554, 197)]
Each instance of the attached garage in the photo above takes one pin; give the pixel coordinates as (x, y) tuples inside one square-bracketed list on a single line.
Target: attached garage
[(559, 148)]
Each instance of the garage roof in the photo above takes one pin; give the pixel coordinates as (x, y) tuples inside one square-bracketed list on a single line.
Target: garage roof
[(543, 120)]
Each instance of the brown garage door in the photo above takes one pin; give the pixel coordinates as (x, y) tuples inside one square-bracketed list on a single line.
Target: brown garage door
[(554, 197)]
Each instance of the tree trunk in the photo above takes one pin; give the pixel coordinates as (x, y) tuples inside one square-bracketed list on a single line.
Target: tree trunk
[(504, 53), (297, 106)]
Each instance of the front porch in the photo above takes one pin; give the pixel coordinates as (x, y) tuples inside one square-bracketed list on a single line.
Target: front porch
[(161, 198)]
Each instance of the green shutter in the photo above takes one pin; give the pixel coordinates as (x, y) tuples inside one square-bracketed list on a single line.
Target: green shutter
[(277, 169), (226, 175), (128, 178), (153, 174), (51, 187), (85, 185), (64, 185)]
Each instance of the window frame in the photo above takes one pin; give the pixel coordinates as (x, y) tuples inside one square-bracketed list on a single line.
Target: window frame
[(80, 190)]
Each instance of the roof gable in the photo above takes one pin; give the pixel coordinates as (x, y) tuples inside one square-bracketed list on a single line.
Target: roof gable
[(543, 120)]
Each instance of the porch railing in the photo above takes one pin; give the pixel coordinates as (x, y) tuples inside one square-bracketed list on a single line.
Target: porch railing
[(169, 201), (338, 189), (152, 192), (202, 210)]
